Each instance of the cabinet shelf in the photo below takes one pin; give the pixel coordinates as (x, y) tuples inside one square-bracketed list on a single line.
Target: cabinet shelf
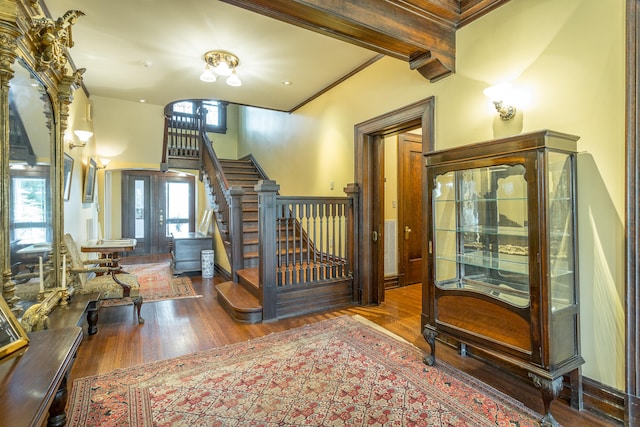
[(500, 289), (518, 264), (485, 229)]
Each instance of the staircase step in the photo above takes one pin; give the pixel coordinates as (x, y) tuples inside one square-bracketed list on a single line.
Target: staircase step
[(249, 278), (242, 176), (239, 303)]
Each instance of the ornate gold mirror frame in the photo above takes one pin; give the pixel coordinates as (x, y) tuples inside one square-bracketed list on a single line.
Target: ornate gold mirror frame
[(41, 43)]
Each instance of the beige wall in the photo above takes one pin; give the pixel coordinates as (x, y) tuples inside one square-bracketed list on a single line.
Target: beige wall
[(567, 58)]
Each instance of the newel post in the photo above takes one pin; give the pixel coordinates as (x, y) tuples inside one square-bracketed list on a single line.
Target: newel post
[(267, 246), (353, 192), (235, 230)]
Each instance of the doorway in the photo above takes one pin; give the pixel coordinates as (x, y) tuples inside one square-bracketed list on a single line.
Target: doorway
[(156, 205), (369, 162)]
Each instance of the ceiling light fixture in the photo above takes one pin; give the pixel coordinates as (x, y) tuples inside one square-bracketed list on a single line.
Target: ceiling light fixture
[(220, 63)]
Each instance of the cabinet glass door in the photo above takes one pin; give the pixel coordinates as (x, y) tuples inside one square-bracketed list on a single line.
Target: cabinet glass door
[(561, 231), (481, 235)]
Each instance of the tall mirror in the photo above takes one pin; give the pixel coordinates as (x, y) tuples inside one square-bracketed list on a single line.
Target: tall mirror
[(31, 184)]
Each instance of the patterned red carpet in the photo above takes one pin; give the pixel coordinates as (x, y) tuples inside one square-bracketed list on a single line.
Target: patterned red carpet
[(156, 284), (338, 372)]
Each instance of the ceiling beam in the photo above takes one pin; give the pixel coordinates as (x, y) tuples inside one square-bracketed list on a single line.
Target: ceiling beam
[(420, 32)]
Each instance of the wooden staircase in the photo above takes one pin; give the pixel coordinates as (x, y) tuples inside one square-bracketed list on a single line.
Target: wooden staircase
[(243, 173), (306, 265), (240, 299)]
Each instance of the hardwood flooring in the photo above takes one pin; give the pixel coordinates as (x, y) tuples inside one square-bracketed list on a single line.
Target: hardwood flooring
[(177, 327)]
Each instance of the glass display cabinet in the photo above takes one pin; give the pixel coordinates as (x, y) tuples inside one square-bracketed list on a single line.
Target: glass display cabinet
[(501, 277)]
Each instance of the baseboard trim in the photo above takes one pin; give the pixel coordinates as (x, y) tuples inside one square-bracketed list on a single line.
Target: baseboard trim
[(603, 400), (391, 282), (224, 274)]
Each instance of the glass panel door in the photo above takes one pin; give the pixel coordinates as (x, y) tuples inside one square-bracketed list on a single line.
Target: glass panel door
[(155, 205), (178, 207)]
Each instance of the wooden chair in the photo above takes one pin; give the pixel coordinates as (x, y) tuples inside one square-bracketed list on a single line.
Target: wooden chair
[(97, 275)]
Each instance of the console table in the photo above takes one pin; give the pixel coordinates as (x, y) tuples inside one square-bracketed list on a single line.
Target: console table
[(33, 383), (186, 249)]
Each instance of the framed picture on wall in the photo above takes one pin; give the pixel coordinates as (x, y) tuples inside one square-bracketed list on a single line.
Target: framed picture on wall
[(12, 336), (68, 173), (90, 181)]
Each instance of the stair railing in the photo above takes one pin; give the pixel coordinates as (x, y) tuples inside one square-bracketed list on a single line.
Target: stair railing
[(228, 200), (305, 243)]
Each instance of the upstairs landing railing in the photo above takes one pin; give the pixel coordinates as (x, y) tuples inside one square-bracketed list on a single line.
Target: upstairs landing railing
[(182, 139)]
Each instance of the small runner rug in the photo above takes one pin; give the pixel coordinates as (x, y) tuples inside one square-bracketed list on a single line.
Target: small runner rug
[(338, 372), (156, 284)]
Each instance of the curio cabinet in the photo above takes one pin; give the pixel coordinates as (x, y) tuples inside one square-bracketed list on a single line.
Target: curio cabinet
[(501, 281)]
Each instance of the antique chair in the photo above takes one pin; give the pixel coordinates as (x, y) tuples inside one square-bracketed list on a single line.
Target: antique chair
[(98, 275)]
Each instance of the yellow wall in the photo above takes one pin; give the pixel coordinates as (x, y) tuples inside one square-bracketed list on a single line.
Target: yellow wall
[(567, 58), (80, 219)]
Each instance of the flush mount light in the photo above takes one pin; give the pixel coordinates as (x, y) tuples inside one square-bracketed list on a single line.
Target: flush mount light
[(220, 63)]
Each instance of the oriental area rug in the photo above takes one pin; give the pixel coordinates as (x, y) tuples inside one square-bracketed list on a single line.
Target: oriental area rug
[(339, 372), (156, 284)]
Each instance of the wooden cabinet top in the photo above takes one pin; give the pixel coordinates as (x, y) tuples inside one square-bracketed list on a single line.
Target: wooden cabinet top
[(521, 142), (29, 381)]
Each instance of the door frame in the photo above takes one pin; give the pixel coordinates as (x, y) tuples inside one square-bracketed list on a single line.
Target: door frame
[(367, 137)]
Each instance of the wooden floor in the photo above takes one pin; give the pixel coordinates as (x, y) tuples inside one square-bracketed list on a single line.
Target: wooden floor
[(178, 327)]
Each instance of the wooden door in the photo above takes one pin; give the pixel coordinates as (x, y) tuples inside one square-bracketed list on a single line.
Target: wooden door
[(154, 206), (410, 169)]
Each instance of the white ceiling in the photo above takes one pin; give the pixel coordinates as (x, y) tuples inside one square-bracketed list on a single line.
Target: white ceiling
[(153, 49)]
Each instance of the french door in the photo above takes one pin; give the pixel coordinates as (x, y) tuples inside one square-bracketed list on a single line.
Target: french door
[(156, 205)]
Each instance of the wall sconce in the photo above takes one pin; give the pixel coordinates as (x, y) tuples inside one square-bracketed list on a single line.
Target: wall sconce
[(104, 162), (498, 94), (83, 129), (73, 145), (220, 63)]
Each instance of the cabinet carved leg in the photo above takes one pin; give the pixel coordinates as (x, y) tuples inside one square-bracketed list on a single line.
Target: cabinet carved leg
[(430, 335), (57, 415), (550, 389)]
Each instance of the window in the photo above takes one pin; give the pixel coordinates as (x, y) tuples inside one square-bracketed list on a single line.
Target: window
[(216, 118), (30, 205)]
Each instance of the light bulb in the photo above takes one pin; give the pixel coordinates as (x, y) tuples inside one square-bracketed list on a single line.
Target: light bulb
[(207, 75), (234, 80), (222, 68), (83, 135)]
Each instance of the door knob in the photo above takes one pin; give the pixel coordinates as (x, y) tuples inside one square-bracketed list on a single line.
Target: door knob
[(407, 230)]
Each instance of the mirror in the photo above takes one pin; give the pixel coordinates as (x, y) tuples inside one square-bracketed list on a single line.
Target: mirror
[(31, 183)]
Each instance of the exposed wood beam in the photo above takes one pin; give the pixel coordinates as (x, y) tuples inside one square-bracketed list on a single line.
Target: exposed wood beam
[(420, 32)]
